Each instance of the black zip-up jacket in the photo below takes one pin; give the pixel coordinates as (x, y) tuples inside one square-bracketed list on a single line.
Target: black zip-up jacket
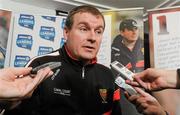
[(73, 89), (133, 60)]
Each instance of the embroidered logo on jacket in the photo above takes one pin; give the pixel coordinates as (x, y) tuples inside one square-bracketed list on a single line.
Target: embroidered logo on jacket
[(64, 92), (103, 94)]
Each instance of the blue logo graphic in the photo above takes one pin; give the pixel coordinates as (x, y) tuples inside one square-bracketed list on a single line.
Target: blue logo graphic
[(44, 50), (62, 41), (24, 41), (26, 21), (63, 23), (47, 33), (21, 61), (50, 18)]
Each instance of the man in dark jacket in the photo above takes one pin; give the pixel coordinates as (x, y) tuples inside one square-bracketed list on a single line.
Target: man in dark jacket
[(79, 86), (127, 47)]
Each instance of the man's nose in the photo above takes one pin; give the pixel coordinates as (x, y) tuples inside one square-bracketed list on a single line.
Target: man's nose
[(134, 29), (92, 36)]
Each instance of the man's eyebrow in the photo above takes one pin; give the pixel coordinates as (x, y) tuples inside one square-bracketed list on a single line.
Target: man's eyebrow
[(85, 23), (101, 27)]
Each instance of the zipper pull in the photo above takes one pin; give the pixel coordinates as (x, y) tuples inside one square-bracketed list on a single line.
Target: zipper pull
[(83, 73)]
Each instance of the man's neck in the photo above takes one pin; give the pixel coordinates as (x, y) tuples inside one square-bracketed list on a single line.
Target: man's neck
[(129, 45)]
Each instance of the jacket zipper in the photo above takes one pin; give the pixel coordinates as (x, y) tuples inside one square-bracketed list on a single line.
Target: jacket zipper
[(83, 72)]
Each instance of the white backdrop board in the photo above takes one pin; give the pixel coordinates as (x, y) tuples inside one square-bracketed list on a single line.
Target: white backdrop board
[(34, 35), (104, 54)]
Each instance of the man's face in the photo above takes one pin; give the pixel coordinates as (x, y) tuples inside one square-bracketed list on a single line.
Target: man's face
[(131, 35), (84, 38)]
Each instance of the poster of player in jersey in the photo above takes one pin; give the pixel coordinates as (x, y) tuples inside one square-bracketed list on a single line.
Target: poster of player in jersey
[(127, 45)]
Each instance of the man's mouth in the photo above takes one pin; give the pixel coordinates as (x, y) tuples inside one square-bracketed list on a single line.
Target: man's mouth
[(89, 47)]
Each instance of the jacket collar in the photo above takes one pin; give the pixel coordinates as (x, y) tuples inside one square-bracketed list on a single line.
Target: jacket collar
[(93, 61)]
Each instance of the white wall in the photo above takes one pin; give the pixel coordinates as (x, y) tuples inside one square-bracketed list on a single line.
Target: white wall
[(17, 7)]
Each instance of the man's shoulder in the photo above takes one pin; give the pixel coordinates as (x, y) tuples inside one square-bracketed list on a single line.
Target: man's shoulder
[(117, 41), (105, 72), (102, 67), (118, 38), (37, 60)]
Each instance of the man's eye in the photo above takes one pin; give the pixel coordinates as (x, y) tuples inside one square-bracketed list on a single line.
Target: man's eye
[(83, 29), (99, 32)]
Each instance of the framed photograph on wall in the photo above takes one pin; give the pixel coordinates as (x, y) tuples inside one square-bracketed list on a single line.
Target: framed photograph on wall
[(164, 29), (127, 29), (164, 39)]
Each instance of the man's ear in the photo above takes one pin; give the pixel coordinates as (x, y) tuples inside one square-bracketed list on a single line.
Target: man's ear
[(65, 33), (121, 32)]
